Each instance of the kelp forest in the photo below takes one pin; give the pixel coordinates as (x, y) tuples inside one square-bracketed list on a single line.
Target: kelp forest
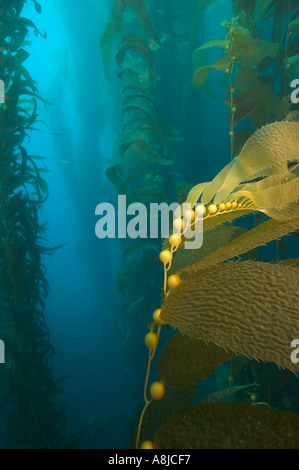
[(111, 340)]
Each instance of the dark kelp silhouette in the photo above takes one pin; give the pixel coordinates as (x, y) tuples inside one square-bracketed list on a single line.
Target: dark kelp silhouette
[(27, 383)]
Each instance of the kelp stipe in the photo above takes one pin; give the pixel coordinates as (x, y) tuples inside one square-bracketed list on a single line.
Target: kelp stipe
[(141, 165), (218, 305), (27, 377)]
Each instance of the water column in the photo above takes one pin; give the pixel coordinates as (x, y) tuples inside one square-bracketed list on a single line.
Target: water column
[(75, 138)]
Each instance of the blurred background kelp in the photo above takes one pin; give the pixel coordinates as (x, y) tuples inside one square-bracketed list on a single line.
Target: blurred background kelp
[(137, 98)]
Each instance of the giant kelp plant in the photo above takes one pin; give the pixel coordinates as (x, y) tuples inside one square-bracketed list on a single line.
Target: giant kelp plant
[(236, 307), (257, 72), (27, 383), (142, 167), (227, 307)]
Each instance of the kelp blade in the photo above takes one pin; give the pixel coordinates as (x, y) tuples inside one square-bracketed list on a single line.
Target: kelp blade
[(273, 144), (185, 361), (229, 426), (260, 235), (247, 307)]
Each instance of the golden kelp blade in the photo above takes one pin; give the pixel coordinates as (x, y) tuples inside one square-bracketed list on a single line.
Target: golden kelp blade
[(271, 145), (276, 196), (290, 262), (229, 426), (260, 235), (195, 193), (247, 307), (221, 218), (293, 116), (186, 361), (213, 240), (211, 188), (215, 235)]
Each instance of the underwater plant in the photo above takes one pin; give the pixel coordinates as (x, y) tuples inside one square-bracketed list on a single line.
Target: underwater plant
[(225, 307), (26, 380), (141, 167), (256, 75), (252, 65), (261, 180)]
